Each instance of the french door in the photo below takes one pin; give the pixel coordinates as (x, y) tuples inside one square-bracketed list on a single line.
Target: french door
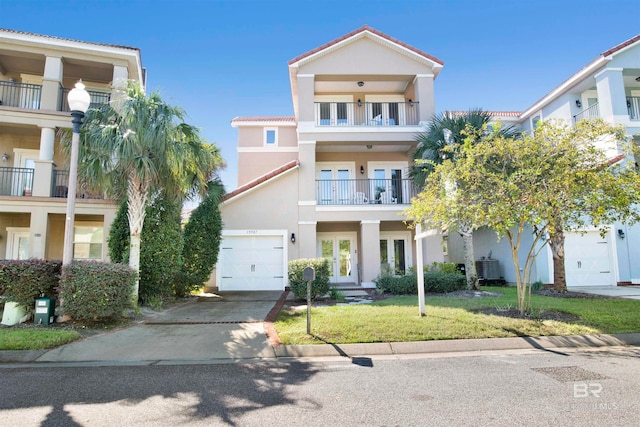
[(395, 251), (340, 252), (389, 182), (335, 183), (17, 243)]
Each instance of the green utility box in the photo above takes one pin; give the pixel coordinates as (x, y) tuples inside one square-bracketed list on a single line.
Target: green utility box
[(45, 311)]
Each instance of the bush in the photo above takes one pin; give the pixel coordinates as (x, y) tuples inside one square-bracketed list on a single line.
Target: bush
[(298, 285), (96, 290), (119, 236), (22, 281), (444, 267), (434, 281)]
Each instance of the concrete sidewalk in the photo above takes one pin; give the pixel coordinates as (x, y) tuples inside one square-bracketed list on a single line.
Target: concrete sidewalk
[(625, 292)]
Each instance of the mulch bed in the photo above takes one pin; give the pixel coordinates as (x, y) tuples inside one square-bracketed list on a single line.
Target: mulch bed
[(568, 294)]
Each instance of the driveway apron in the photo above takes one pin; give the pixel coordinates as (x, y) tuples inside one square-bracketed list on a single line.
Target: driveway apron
[(227, 325)]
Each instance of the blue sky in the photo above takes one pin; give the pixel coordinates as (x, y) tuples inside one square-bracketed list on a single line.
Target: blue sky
[(220, 59)]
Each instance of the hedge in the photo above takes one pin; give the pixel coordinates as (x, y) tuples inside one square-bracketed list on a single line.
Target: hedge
[(434, 281), (319, 287), (22, 281), (96, 290)]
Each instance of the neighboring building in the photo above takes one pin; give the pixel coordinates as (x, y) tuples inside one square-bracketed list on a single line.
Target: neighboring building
[(331, 181), (609, 88), (36, 73)]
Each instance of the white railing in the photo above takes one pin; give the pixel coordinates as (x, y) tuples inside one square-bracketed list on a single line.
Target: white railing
[(366, 113), (590, 113), (365, 191), (633, 106)]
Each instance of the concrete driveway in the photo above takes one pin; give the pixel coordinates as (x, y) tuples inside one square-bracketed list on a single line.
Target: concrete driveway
[(626, 292), (220, 326)]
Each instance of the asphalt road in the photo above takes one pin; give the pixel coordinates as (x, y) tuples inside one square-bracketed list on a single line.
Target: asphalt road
[(510, 388)]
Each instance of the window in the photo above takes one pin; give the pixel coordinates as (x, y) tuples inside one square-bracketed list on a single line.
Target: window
[(270, 136), (87, 242), (535, 121)]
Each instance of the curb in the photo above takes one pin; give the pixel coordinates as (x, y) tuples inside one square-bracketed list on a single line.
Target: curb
[(20, 356)]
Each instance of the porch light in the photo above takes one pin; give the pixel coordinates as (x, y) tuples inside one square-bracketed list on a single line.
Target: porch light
[(79, 101), (5, 157), (360, 83), (361, 170), (359, 103), (620, 233), (578, 103), (293, 237), (410, 102)]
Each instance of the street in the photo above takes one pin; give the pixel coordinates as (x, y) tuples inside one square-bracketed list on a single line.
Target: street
[(507, 388)]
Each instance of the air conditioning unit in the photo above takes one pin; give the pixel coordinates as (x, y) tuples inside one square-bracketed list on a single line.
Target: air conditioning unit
[(489, 272)]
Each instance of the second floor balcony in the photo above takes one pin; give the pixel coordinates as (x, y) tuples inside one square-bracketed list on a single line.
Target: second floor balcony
[(98, 98), (60, 187), (16, 181), (20, 95), (360, 113), (364, 192)]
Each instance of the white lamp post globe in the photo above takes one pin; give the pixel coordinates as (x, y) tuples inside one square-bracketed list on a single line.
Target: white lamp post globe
[(78, 98)]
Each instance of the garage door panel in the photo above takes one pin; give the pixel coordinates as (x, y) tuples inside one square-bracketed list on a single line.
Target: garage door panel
[(252, 263), (588, 260)]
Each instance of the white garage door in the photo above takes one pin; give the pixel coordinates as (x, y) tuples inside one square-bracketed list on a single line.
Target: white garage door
[(251, 263), (588, 260)]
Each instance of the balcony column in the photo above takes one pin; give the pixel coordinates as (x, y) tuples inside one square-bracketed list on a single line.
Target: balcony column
[(119, 85), (38, 233), (42, 174), (51, 83), (306, 105), (423, 84), (307, 199), (612, 101), (369, 252)]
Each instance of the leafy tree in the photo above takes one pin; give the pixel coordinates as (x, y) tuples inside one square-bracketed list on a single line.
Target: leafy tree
[(137, 146), (202, 235), (119, 236), (538, 182), (439, 142)]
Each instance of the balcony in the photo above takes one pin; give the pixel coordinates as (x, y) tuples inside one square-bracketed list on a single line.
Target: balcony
[(98, 99), (633, 106), (60, 187), (16, 181), (364, 192), (386, 114), (20, 95), (589, 113)]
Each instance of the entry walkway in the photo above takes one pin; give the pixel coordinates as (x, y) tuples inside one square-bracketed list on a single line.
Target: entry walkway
[(221, 326), (626, 292)]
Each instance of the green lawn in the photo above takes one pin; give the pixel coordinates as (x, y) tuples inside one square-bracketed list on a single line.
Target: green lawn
[(397, 319), (34, 339)]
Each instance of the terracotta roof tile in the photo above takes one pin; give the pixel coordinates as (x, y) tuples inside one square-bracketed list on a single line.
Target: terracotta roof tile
[(373, 31), (622, 45), (269, 175), (66, 39), (616, 159)]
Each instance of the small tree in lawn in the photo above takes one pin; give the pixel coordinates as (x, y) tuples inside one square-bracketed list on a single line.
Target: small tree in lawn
[(137, 147)]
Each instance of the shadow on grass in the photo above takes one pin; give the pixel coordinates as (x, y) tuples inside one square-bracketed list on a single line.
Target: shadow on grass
[(360, 361)]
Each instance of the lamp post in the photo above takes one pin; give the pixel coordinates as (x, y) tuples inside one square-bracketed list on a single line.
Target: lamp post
[(79, 101)]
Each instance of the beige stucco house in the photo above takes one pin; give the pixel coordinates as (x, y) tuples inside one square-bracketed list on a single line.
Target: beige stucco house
[(36, 73), (332, 180)]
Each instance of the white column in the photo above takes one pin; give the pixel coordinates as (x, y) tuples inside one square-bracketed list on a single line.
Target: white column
[(38, 233), (370, 252), (44, 165), (51, 83), (306, 92), (423, 84), (612, 100), (420, 269)]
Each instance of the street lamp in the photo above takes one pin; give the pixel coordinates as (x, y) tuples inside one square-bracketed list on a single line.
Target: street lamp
[(79, 101)]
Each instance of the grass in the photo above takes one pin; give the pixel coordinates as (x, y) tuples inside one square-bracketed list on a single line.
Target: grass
[(396, 319), (35, 338)]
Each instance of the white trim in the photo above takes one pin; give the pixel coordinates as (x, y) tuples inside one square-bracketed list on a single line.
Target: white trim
[(369, 221), (307, 202), (601, 72), (405, 236), (12, 233), (267, 149), (260, 123), (307, 222), (20, 154), (306, 142), (265, 132), (352, 236)]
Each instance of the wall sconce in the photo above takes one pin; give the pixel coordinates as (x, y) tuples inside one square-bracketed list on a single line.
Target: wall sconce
[(578, 103), (361, 170), (293, 237), (410, 103), (5, 157), (359, 103), (360, 83), (621, 233)]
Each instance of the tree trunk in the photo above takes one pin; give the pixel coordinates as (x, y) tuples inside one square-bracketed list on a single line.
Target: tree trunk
[(136, 203), (469, 262), (556, 242)]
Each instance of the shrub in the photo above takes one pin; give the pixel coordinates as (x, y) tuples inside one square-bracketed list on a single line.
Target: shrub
[(444, 267), (119, 236), (96, 290), (319, 287), (22, 281), (434, 281)]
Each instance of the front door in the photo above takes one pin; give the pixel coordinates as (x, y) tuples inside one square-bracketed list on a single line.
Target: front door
[(340, 252), (335, 183), (395, 252), (17, 243)]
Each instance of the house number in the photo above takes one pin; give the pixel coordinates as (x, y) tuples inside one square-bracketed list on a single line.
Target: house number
[(252, 231)]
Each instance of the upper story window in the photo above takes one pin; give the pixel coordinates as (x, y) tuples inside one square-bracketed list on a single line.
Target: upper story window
[(270, 136), (535, 121)]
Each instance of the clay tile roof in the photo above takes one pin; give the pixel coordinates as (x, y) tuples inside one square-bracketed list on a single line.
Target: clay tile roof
[(616, 159), (621, 45), (373, 31), (266, 177), (65, 39), (263, 119)]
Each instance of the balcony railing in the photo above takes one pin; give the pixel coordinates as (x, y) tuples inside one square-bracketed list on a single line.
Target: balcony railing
[(16, 181), (633, 106), (21, 95), (364, 191), (366, 114), (60, 187), (98, 99), (590, 113)]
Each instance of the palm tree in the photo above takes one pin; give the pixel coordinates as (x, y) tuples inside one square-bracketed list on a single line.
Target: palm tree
[(444, 135), (137, 146)]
